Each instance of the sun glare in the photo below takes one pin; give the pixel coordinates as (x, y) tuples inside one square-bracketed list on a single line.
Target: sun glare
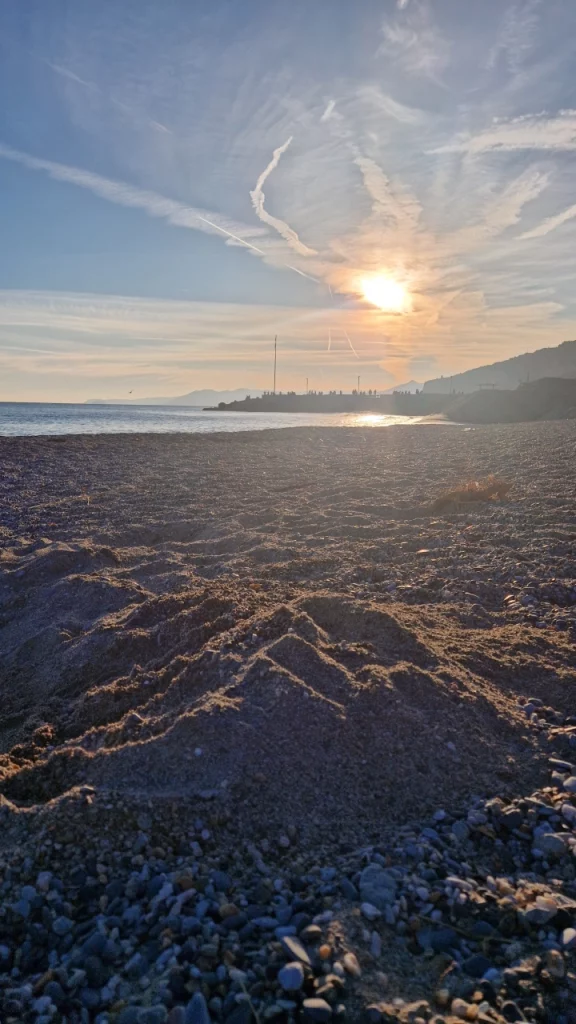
[(385, 292)]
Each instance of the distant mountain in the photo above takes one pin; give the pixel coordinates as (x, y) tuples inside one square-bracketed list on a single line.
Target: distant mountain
[(196, 398), (545, 362), (411, 387)]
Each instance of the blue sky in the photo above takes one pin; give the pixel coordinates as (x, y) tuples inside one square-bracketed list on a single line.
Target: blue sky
[(179, 182)]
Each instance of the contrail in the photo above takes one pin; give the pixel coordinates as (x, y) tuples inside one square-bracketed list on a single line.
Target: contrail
[(301, 272), (241, 241), (351, 345), (153, 203), (122, 194), (329, 349), (257, 196)]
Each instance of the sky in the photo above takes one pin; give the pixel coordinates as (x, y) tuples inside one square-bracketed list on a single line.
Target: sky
[(181, 182)]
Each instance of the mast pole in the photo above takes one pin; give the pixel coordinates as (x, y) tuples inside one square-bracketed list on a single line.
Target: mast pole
[(275, 355)]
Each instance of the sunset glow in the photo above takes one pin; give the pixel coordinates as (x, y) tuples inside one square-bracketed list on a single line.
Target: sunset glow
[(385, 292)]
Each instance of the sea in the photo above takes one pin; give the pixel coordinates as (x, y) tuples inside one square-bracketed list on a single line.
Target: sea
[(21, 418)]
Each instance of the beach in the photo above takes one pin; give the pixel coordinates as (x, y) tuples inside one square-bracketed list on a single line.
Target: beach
[(271, 654)]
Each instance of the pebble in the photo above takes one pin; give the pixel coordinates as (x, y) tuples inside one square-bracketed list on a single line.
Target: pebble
[(197, 1010), (317, 1010), (134, 958), (370, 912), (291, 976), (351, 965), (550, 844), (62, 925), (295, 949)]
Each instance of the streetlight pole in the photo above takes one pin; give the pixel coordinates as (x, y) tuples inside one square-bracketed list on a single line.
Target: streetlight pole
[(358, 385), (306, 385)]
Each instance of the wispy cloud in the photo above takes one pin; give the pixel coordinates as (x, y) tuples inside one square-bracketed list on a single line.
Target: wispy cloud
[(517, 36), (550, 224), (328, 111), (413, 42), (537, 132), (502, 212), (258, 197), (152, 203), (76, 345), (390, 107)]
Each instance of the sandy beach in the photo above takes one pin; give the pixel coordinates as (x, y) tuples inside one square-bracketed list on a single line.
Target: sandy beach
[(274, 634)]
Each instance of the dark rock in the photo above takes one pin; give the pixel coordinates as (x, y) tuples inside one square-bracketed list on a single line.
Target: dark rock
[(441, 940), (477, 965), (197, 1010), (348, 889), (511, 1011), (241, 1014), (56, 993)]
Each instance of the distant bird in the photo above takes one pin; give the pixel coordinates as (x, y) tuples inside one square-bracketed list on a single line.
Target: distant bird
[(129, 392)]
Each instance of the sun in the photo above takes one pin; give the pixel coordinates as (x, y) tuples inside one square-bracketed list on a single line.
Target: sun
[(385, 292)]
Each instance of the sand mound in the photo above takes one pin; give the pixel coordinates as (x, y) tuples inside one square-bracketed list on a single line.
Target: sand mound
[(203, 618), (321, 710)]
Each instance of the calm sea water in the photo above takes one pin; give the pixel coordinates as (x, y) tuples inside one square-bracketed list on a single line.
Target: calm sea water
[(17, 418)]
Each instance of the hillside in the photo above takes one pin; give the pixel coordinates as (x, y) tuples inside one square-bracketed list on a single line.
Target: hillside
[(547, 399), (545, 362), (194, 398)]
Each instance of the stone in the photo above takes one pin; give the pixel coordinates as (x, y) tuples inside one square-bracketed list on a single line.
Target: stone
[(555, 964), (55, 991), (21, 909), (43, 881), (42, 1004), (370, 912), (373, 1014), (569, 938), (197, 1010), (153, 1015), (512, 818), (377, 886), (348, 889), (221, 881), (295, 949), (241, 1014), (551, 844), (351, 965), (461, 830), (476, 966), (441, 940), (291, 976), (570, 784), (129, 1015), (540, 912), (511, 1011), (312, 934), (62, 925), (317, 1010)]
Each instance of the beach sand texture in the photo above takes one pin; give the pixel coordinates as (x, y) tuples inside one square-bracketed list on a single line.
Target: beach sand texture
[(278, 621), (278, 741)]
